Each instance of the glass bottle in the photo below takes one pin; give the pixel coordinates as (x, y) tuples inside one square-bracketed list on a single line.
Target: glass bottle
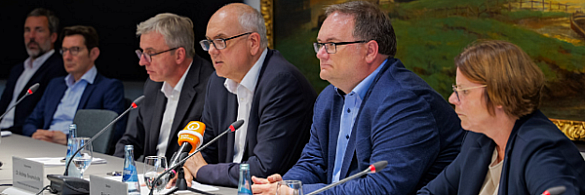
[(245, 183), (71, 170), (130, 176)]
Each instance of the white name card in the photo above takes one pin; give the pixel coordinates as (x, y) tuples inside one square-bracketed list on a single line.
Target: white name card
[(103, 186), (28, 175)]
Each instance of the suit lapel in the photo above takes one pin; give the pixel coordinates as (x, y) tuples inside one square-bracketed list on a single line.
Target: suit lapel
[(478, 161), (186, 98), (88, 91), (156, 120), (333, 133), (54, 100), (231, 137)]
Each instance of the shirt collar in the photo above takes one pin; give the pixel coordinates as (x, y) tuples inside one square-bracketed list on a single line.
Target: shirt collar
[(168, 90), (250, 79), (89, 77), (40, 60), (362, 87)]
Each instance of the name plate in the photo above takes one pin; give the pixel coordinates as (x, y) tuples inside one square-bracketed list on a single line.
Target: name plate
[(103, 186), (27, 175)]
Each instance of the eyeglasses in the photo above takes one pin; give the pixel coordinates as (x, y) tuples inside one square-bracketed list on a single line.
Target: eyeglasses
[(457, 90), (218, 43), (148, 56), (72, 50), (331, 47)]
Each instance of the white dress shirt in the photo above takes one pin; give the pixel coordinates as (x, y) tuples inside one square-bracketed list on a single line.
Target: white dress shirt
[(30, 68), (245, 93), (172, 95)]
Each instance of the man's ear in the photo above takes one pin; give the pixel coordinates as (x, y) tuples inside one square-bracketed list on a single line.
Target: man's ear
[(94, 53), (180, 55), (372, 51), (254, 43)]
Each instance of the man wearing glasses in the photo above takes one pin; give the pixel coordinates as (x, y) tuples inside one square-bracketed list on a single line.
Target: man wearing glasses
[(83, 88), (42, 65), (374, 110), (254, 84), (175, 90)]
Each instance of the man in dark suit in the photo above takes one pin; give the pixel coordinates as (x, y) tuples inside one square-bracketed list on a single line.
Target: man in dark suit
[(42, 65), (175, 91), (254, 84), (374, 110), (83, 88)]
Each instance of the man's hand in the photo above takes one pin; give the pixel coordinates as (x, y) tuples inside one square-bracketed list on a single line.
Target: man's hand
[(42, 134), (59, 137), (266, 186), (191, 167), (194, 164), (50, 136), (188, 178)]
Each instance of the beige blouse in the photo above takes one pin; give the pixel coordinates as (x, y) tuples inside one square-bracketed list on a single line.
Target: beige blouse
[(492, 178)]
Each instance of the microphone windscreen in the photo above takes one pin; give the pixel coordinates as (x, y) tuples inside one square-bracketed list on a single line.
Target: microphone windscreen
[(33, 88), (192, 134), (379, 165), (137, 101), (237, 124), (556, 190)]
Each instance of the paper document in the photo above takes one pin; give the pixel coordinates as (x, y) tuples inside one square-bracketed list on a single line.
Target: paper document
[(6, 133), (195, 185), (57, 161)]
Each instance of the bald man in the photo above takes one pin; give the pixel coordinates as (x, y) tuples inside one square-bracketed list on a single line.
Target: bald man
[(254, 84)]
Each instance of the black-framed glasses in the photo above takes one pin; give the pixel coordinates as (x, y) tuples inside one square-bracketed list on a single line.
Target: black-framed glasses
[(148, 56), (218, 43), (331, 47), (456, 90), (72, 50)]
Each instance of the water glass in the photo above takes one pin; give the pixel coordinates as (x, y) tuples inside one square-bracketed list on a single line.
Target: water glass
[(83, 158), (153, 167), (289, 187)]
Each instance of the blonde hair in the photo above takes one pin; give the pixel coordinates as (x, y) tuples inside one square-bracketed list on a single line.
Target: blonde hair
[(513, 80)]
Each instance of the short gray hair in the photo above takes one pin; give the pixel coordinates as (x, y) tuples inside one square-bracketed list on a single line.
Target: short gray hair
[(53, 20), (252, 21), (176, 30), (370, 24)]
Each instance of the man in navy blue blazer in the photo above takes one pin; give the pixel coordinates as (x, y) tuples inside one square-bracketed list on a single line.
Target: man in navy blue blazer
[(255, 84), (375, 110), (42, 65), (83, 88)]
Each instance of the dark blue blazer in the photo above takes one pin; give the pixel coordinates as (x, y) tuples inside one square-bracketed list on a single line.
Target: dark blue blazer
[(53, 67), (538, 156), (278, 126), (401, 120), (104, 93)]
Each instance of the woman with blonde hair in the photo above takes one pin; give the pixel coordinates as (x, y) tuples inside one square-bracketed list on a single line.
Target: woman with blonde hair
[(511, 147)]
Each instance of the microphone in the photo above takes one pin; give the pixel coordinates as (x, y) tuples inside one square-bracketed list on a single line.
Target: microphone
[(29, 92), (555, 190), (190, 138), (373, 168), (73, 185), (233, 127)]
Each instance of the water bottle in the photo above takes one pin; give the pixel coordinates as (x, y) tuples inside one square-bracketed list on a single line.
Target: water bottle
[(245, 184), (130, 176), (71, 170)]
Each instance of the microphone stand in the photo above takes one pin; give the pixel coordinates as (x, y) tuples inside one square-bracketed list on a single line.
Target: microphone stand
[(30, 91), (233, 127), (59, 181)]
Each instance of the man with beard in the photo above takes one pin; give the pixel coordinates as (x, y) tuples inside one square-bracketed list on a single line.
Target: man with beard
[(42, 65)]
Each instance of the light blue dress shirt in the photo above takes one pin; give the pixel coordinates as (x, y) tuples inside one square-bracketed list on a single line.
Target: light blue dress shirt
[(351, 106), (67, 108)]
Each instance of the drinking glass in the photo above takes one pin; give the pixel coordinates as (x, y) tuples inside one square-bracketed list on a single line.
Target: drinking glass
[(153, 167), (289, 187), (83, 158)]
